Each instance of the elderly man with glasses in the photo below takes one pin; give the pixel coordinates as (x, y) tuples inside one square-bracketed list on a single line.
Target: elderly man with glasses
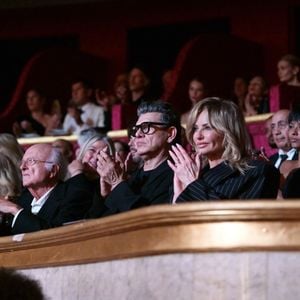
[(156, 129), (280, 129), (46, 201)]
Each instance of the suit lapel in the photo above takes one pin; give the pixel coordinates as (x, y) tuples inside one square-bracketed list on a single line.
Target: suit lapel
[(50, 207)]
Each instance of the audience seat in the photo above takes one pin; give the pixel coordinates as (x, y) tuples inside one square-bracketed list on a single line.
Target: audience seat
[(282, 96)]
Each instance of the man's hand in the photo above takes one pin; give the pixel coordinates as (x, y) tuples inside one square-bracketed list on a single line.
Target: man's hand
[(76, 114), (8, 207)]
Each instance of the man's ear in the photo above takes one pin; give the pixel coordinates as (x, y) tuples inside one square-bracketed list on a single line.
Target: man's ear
[(295, 70), (54, 171), (172, 132)]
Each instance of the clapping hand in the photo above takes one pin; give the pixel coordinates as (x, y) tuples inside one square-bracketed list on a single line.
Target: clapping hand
[(186, 168), (110, 169)]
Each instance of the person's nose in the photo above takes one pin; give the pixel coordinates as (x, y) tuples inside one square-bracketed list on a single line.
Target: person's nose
[(139, 133), (23, 165), (199, 135)]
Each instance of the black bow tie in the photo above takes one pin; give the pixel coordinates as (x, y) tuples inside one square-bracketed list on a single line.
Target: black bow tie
[(283, 157)]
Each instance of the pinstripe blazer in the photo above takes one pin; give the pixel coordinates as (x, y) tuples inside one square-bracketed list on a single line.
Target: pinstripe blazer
[(223, 182)]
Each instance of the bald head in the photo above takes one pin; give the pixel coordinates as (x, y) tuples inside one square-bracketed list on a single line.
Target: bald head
[(280, 129), (42, 166)]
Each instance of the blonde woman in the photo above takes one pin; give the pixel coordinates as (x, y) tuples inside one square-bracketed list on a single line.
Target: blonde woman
[(10, 186), (10, 147), (217, 131)]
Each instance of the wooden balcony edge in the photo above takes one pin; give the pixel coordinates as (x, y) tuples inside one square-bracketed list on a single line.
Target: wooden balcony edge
[(186, 228)]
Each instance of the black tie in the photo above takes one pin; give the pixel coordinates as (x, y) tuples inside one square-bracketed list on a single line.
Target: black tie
[(283, 158)]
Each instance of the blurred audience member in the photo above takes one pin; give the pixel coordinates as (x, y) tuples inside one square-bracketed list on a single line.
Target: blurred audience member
[(17, 286), (121, 90), (240, 90), (122, 149), (288, 70), (280, 131), (285, 94), (167, 82), (10, 187), (65, 147), (138, 85), (269, 134), (37, 122), (196, 93), (82, 112), (11, 148), (256, 101), (217, 130)]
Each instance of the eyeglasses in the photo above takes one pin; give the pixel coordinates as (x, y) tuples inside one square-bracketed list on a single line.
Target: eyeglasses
[(147, 128), (32, 161)]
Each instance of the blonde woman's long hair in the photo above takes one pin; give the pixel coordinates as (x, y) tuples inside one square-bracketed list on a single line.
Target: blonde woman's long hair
[(224, 117), (10, 182)]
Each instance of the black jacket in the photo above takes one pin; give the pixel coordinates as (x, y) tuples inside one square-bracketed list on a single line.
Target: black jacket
[(222, 182), (67, 202)]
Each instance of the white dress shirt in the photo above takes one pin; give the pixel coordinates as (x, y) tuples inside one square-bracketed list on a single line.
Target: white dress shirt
[(290, 155), (92, 116)]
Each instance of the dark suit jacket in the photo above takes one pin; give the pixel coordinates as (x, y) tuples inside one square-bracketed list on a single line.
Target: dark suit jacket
[(291, 188), (261, 180), (142, 189), (67, 202), (273, 158)]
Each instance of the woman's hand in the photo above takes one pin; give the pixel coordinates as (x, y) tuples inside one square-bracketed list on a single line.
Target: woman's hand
[(110, 170), (186, 169)]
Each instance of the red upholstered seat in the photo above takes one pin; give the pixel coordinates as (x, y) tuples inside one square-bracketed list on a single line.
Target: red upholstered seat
[(282, 96)]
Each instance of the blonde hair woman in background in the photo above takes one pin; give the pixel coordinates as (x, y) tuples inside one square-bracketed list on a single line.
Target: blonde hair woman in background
[(10, 186), (10, 147)]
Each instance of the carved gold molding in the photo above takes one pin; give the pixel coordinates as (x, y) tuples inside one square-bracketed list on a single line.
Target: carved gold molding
[(198, 227)]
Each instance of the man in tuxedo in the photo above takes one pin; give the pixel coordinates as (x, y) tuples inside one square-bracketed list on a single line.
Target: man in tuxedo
[(280, 127), (46, 201)]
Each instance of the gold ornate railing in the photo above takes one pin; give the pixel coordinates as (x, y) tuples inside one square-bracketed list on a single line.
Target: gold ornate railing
[(197, 227)]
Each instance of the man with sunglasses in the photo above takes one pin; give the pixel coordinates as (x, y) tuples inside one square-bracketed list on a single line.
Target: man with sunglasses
[(46, 201), (156, 129)]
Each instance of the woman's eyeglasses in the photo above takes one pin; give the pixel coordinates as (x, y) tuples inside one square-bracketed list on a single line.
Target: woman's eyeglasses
[(147, 128)]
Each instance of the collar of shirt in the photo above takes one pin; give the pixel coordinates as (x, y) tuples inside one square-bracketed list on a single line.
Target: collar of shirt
[(290, 153), (37, 204)]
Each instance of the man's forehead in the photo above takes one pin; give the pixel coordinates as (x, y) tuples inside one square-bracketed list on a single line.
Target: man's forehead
[(279, 117), (38, 151)]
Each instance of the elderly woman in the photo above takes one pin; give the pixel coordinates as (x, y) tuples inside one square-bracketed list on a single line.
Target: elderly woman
[(218, 134), (86, 163), (156, 129)]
